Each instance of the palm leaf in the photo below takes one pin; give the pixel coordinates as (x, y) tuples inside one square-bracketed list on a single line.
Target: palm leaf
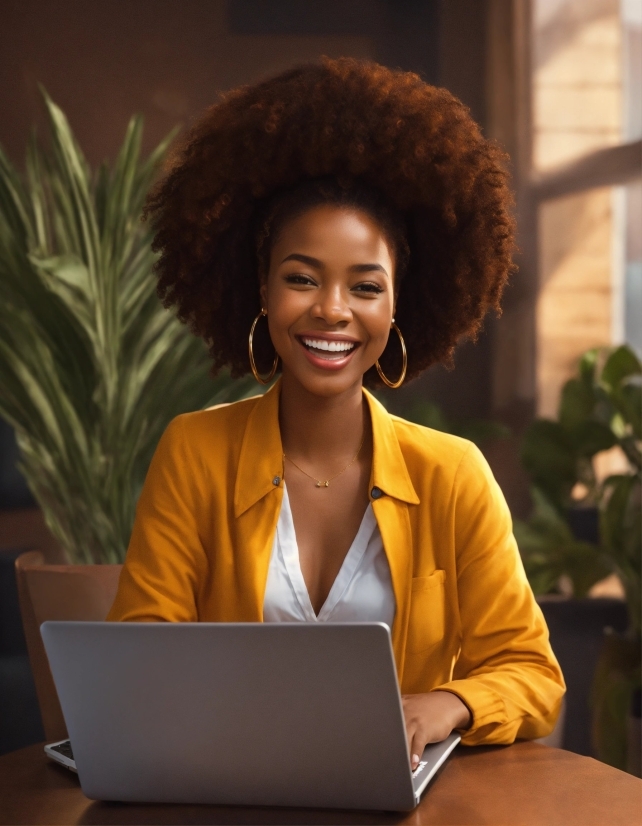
[(92, 367)]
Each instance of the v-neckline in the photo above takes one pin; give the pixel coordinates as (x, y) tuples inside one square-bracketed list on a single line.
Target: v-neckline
[(286, 537)]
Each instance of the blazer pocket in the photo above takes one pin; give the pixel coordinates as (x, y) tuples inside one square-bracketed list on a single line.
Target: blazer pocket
[(426, 624)]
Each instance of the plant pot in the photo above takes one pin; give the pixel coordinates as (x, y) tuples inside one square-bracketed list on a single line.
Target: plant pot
[(634, 736), (576, 628), (615, 687), (58, 592)]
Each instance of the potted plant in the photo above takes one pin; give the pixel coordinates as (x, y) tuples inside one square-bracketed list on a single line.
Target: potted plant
[(92, 367), (600, 409)]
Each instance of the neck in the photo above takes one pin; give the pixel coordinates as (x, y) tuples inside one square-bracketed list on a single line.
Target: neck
[(320, 427)]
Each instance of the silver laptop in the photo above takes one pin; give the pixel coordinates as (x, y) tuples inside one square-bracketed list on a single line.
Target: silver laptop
[(254, 714)]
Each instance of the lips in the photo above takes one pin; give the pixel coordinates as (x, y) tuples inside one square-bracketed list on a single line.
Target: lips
[(328, 353)]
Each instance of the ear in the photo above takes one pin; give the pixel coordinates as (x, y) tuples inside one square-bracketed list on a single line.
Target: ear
[(263, 293)]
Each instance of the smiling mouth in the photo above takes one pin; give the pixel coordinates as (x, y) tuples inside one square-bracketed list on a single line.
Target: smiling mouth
[(328, 350)]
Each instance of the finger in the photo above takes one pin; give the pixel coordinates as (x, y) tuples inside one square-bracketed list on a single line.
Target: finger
[(417, 746), (411, 728)]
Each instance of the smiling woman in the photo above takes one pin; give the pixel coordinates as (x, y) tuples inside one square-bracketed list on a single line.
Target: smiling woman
[(304, 219)]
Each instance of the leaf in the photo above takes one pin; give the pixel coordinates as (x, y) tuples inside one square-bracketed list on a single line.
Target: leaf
[(628, 400), (92, 367), (549, 457), (67, 268), (621, 364), (549, 551), (591, 437), (620, 518), (587, 366), (576, 403)]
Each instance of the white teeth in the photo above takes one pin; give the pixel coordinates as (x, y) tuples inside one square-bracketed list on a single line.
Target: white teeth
[(332, 346)]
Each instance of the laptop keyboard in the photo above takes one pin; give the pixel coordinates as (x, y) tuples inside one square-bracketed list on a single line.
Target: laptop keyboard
[(64, 748)]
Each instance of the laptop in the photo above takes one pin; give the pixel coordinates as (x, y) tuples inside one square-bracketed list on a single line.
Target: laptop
[(252, 714)]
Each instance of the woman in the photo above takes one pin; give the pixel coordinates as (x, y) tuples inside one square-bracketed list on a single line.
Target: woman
[(329, 206)]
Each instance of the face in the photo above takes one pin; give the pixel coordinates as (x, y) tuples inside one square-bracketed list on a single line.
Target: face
[(330, 298)]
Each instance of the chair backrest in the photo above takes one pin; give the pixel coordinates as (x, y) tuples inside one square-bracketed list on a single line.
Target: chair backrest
[(58, 592)]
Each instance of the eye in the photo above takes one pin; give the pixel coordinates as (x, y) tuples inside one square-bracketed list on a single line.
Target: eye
[(300, 278), (368, 287)]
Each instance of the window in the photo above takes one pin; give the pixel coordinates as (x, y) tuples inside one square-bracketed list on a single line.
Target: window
[(587, 97)]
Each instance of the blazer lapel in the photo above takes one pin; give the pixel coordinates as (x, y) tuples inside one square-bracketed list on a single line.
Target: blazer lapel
[(390, 476), (258, 494)]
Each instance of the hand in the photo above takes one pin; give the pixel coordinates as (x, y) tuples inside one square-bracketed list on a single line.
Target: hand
[(430, 718)]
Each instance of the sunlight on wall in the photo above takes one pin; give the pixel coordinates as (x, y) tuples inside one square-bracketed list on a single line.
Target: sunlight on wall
[(577, 92), (586, 95), (574, 305)]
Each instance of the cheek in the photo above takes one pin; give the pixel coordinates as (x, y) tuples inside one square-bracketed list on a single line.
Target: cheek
[(284, 307), (376, 322)]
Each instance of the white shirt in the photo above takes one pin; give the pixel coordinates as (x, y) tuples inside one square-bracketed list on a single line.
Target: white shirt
[(362, 591)]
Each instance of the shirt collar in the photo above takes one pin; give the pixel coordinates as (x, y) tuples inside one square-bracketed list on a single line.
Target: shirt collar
[(260, 468)]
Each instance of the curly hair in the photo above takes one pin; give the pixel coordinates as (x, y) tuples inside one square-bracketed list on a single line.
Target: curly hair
[(412, 146)]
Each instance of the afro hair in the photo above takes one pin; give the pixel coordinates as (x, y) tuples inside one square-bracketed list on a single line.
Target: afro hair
[(387, 131)]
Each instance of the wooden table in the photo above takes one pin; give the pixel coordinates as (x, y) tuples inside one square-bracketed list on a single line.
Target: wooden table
[(522, 784)]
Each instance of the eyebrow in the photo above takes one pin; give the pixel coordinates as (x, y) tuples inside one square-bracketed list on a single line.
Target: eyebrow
[(314, 262)]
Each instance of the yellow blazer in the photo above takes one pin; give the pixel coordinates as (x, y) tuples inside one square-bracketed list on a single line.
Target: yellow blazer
[(466, 620)]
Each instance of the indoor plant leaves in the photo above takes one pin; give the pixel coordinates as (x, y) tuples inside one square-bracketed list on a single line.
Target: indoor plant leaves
[(92, 367)]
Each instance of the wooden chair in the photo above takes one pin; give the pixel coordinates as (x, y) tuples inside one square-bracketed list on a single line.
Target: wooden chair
[(58, 592)]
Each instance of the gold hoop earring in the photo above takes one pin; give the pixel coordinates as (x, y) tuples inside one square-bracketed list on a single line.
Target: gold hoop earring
[(404, 357), (255, 371)]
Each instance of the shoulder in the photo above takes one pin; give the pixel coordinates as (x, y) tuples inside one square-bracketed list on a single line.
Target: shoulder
[(431, 445), (223, 424), (453, 459)]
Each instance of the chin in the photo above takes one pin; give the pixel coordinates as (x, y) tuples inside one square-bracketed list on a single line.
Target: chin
[(326, 386)]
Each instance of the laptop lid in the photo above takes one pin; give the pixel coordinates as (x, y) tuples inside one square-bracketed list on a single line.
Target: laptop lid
[(252, 714)]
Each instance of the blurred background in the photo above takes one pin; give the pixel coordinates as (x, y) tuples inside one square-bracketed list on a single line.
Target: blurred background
[(558, 84)]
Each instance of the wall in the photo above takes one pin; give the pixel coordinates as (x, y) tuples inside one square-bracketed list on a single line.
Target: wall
[(104, 61)]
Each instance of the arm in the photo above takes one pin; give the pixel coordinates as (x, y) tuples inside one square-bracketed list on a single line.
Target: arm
[(165, 560), (506, 673)]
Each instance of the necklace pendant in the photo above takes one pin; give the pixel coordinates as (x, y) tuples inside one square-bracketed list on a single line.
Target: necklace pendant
[(326, 484), (318, 485)]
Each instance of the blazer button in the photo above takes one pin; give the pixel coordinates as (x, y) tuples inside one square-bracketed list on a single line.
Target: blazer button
[(376, 493), (276, 481)]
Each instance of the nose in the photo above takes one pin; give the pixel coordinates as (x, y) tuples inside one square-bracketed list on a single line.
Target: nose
[(332, 306)]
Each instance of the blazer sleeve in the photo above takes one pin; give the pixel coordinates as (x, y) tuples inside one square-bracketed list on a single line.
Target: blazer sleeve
[(165, 563), (506, 672)]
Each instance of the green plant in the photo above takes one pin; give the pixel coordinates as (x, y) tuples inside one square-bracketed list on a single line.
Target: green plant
[(92, 367), (478, 431), (601, 408), (550, 551)]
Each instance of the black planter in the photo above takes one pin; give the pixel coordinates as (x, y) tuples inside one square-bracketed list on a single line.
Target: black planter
[(577, 633), (613, 701)]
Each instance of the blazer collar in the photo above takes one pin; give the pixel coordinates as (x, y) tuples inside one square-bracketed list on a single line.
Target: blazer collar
[(389, 471), (260, 468)]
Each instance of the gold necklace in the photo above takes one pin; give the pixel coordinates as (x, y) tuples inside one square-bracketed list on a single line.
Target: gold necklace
[(325, 483)]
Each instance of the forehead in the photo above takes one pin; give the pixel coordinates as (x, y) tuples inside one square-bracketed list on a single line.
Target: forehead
[(329, 232)]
